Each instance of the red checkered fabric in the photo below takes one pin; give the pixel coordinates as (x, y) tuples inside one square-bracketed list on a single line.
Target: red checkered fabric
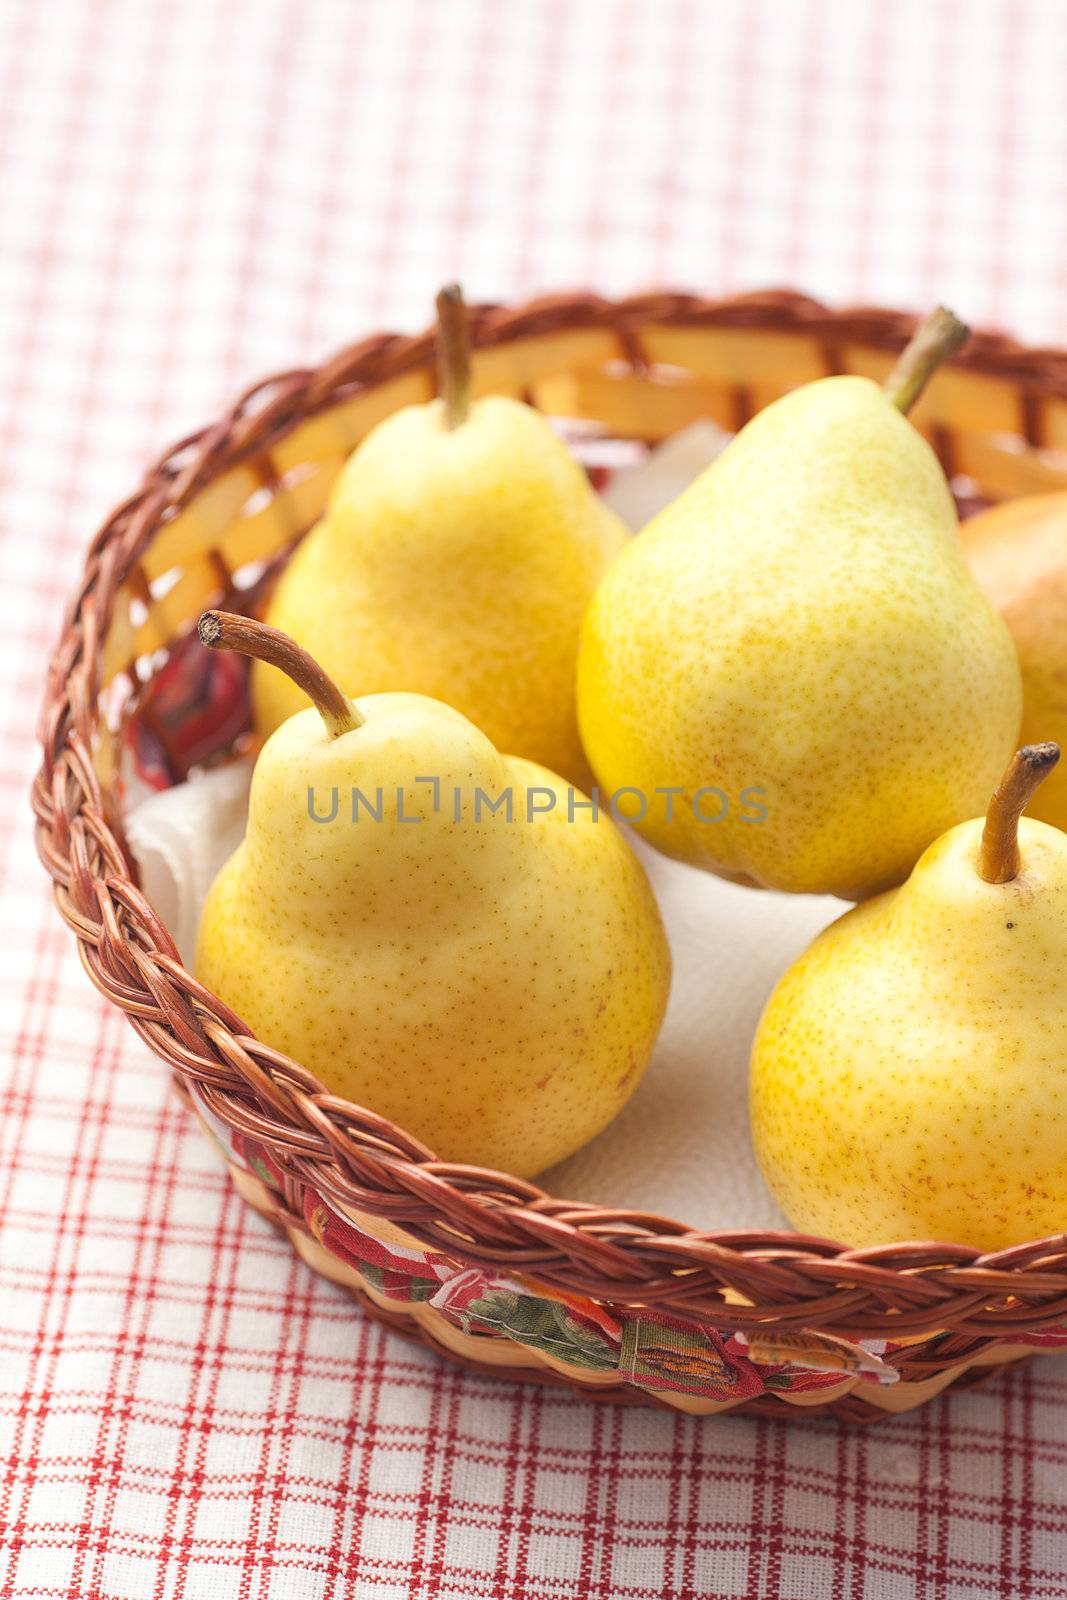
[(194, 193)]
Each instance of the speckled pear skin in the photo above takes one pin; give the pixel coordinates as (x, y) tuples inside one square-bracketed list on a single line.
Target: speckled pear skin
[(801, 621), (1018, 553), (908, 1076), (494, 987), (456, 564)]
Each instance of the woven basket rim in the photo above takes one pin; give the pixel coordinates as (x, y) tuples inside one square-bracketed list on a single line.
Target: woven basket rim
[(748, 1279)]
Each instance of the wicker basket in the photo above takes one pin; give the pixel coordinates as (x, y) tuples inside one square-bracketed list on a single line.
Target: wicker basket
[(482, 1266)]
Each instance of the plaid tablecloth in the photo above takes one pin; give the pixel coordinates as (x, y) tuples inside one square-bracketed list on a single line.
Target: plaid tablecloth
[(194, 193)]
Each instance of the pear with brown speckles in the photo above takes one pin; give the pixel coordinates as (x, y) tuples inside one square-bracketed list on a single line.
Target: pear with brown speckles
[(792, 662), (908, 1077), (1018, 553), (489, 972), (459, 551)]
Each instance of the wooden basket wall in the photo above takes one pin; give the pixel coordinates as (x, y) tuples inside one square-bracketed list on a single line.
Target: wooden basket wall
[(239, 494)]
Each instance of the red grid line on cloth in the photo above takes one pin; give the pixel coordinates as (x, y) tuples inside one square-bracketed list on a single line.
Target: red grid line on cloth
[(197, 193)]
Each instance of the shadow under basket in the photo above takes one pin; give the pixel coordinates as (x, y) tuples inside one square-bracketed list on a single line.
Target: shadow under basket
[(483, 1267)]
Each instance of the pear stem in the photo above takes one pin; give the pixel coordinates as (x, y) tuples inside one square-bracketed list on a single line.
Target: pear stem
[(453, 355), (224, 630), (933, 341), (998, 859)]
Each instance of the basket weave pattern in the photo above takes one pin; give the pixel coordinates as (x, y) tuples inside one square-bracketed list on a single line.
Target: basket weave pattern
[(232, 499)]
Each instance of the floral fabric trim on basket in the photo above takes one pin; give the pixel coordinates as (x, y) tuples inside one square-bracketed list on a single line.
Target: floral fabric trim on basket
[(648, 1350)]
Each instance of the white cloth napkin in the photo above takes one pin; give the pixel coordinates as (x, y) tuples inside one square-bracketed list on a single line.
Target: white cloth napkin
[(637, 493), (181, 837), (681, 1146)]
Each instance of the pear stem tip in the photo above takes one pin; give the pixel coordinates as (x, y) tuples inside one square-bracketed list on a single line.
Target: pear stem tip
[(210, 629), (225, 630), (453, 355), (1040, 757), (933, 341), (999, 860)]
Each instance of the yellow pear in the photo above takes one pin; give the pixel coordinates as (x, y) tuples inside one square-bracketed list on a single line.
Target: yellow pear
[(458, 553), (1018, 553), (792, 664), (443, 934), (907, 1076)]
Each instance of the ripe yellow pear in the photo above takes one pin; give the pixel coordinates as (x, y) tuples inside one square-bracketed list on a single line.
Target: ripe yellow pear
[(493, 984), (908, 1073), (1018, 553), (457, 556), (792, 663)]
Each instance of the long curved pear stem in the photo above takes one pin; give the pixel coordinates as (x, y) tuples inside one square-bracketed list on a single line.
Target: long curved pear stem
[(453, 355), (224, 630), (933, 341), (998, 858)]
